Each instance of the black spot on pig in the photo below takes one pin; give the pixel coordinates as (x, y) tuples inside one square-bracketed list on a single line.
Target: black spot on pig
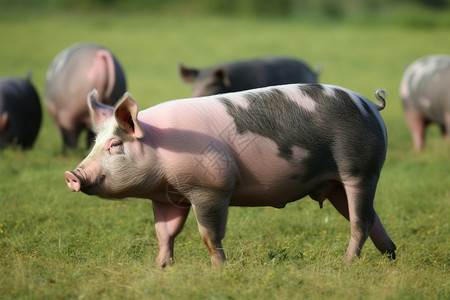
[(336, 134), (271, 114), (313, 91), (275, 116)]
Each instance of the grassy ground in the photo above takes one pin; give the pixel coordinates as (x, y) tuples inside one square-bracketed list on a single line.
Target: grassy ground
[(60, 245)]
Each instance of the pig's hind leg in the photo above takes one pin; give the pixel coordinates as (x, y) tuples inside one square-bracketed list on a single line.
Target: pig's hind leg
[(381, 239), (70, 137), (445, 128), (364, 219)]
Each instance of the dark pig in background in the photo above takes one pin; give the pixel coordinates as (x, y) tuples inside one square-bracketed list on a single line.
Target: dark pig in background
[(263, 147), (71, 76), (425, 93), (244, 75), (20, 112)]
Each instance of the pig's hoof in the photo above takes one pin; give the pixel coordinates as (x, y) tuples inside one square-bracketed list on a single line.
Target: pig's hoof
[(390, 255)]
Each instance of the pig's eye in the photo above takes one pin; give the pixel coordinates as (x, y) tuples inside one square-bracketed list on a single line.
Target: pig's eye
[(115, 147)]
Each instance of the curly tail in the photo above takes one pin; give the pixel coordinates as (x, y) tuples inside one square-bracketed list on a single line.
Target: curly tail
[(380, 94)]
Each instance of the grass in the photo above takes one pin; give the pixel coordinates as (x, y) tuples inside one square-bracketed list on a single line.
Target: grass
[(60, 245)]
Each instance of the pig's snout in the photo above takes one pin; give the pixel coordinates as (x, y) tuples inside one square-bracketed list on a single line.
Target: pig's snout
[(72, 181)]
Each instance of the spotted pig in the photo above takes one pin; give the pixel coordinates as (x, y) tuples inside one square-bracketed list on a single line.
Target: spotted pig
[(263, 147)]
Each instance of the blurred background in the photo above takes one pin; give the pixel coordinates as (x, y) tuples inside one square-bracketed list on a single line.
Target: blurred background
[(274, 8), (55, 244)]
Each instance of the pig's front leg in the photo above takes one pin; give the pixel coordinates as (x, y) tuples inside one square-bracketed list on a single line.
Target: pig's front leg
[(211, 212), (169, 220)]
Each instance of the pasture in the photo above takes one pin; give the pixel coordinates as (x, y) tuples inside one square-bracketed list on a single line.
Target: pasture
[(55, 244)]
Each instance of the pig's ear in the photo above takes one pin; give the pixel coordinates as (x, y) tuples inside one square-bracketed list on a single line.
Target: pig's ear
[(187, 75), (99, 112), (222, 77), (126, 112)]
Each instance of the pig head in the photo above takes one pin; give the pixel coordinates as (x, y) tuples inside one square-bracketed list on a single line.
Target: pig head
[(264, 147)]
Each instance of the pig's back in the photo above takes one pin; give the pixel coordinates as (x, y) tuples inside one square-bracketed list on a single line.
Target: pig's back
[(268, 72), (69, 67)]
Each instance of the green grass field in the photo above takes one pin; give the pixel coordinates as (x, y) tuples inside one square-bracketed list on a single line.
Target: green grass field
[(55, 244)]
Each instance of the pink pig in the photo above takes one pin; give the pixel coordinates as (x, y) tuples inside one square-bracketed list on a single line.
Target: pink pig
[(73, 73), (263, 147)]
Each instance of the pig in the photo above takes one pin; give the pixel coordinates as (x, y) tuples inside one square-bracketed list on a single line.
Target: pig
[(71, 76), (20, 112), (263, 147), (244, 75), (425, 94)]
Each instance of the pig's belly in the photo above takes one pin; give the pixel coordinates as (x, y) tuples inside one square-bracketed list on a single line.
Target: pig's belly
[(259, 196)]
